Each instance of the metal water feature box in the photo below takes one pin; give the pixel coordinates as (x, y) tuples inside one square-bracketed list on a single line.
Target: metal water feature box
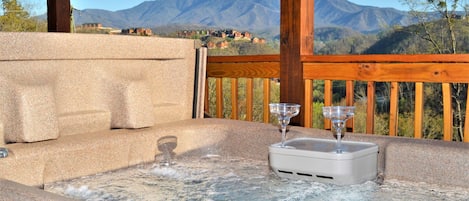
[(317, 160)]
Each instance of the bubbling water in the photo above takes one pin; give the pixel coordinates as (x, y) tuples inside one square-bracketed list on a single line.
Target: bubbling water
[(216, 178)]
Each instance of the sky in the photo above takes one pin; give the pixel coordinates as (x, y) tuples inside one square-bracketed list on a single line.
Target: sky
[(40, 6), (111, 5), (114, 5), (381, 3)]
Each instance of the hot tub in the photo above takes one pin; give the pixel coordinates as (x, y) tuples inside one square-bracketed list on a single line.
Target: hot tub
[(399, 158)]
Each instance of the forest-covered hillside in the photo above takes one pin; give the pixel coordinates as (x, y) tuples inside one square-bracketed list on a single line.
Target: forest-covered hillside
[(413, 39)]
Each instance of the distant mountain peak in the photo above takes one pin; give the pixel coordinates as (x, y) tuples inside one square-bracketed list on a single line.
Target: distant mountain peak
[(251, 15)]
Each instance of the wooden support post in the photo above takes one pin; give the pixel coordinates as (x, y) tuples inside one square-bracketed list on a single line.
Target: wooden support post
[(58, 16), (296, 39)]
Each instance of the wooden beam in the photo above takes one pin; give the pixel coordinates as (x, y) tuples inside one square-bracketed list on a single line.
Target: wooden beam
[(58, 16), (244, 69), (296, 31), (389, 72), (307, 28)]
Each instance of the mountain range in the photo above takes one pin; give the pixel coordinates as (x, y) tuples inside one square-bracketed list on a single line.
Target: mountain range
[(249, 15)]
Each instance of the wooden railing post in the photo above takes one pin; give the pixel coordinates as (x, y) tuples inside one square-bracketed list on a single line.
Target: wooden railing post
[(249, 98), (266, 100), (466, 123), (418, 113), (327, 101), (349, 99), (394, 109), (219, 97), (447, 113), (234, 98), (370, 108), (308, 103)]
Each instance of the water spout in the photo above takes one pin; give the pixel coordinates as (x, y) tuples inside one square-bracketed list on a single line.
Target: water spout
[(3, 152), (166, 145)]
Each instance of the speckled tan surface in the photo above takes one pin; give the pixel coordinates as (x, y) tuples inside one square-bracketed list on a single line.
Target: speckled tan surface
[(50, 79), (60, 93), (76, 155), (12, 191)]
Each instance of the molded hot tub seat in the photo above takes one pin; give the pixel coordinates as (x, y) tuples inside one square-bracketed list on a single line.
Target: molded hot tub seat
[(316, 160)]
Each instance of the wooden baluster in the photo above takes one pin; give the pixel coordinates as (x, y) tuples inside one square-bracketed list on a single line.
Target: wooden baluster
[(234, 98), (219, 97), (249, 99), (308, 102), (349, 96), (466, 121), (266, 102), (207, 98), (370, 108), (394, 109), (447, 113), (327, 100), (418, 113)]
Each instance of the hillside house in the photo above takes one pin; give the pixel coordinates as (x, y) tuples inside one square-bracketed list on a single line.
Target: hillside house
[(257, 40), (137, 31), (223, 44), (246, 34), (91, 26)]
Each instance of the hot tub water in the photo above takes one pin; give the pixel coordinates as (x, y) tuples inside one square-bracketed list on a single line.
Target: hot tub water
[(217, 178)]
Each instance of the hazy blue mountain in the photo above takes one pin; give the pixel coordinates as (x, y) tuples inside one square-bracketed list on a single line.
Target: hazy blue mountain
[(214, 13), (253, 15), (330, 13)]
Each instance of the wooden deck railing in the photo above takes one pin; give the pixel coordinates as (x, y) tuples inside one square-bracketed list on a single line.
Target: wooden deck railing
[(418, 69), (235, 67)]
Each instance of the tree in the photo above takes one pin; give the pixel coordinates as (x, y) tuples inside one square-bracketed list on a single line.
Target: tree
[(449, 12), (444, 40), (16, 18)]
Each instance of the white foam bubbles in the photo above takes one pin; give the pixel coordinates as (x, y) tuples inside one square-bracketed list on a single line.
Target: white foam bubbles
[(80, 192), (166, 172)]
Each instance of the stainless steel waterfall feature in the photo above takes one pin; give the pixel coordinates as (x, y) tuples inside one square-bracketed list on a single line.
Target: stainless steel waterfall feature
[(3, 152), (329, 161), (317, 160), (166, 145)]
